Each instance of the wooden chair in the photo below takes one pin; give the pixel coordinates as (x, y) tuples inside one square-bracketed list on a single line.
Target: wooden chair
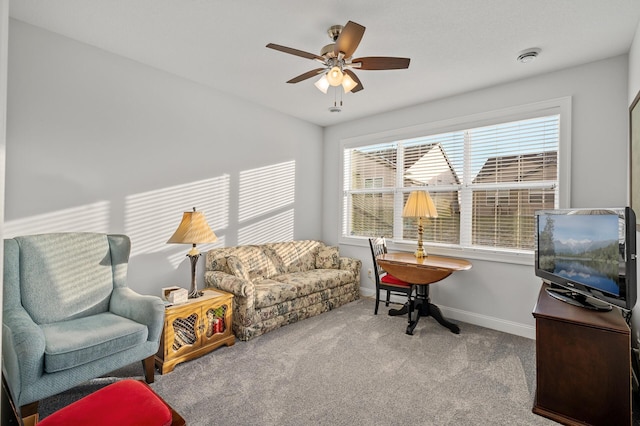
[(385, 281)]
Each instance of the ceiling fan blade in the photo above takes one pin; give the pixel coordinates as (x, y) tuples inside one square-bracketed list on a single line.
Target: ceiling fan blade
[(349, 39), (355, 78), (296, 52), (382, 63), (306, 75)]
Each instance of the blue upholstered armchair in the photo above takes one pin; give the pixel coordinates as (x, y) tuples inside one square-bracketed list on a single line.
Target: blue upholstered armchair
[(69, 316)]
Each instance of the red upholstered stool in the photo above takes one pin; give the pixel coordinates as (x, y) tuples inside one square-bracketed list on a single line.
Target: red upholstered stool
[(124, 403)]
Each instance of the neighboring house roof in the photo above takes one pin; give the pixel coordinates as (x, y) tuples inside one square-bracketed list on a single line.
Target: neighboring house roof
[(519, 168), (385, 156), (432, 167)]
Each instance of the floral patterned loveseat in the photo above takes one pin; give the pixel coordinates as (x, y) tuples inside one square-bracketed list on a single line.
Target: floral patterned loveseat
[(280, 283)]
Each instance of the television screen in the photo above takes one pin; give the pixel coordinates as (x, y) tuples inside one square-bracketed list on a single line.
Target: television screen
[(584, 248), (590, 252)]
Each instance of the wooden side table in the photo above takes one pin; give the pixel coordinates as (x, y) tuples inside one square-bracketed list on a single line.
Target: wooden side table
[(194, 328)]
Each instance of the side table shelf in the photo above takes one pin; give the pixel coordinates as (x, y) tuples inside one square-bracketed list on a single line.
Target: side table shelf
[(194, 328)]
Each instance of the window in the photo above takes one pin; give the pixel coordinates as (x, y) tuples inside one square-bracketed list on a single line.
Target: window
[(375, 182), (486, 181)]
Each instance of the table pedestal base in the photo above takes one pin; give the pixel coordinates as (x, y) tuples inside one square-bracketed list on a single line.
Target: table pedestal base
[(422, 307)]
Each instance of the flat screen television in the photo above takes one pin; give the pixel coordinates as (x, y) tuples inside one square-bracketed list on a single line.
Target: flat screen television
[(588, 256)]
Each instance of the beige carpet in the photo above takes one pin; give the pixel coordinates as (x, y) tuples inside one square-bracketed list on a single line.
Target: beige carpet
[(349, 367)]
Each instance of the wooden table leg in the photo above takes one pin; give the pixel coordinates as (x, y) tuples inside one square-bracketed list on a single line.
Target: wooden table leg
[(424, 308)]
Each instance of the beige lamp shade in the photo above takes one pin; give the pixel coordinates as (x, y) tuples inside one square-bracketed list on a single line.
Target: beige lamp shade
[(193, 229), (419, 204)]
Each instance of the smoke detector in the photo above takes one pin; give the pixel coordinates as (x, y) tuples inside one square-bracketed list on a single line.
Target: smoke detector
[(528, 55)]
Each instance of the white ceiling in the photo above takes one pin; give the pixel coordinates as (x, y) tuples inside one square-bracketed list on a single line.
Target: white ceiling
[(455, 46)]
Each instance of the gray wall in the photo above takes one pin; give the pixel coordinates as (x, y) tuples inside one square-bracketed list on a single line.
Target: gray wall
[(497, 294), (96, 142)]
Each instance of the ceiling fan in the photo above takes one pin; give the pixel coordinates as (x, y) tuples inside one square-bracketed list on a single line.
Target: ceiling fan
[(337, 59)]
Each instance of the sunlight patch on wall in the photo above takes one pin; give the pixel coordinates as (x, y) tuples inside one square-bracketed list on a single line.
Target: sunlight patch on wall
[(265, 189), (152, 217), (88, 218), (275, 228)]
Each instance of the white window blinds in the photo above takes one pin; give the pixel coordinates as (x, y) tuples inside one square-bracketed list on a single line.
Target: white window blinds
[(370, 180), (514, 172), (486, 183)]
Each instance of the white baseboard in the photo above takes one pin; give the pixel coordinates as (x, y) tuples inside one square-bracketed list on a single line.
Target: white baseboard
[(499, 324), (367, 292)]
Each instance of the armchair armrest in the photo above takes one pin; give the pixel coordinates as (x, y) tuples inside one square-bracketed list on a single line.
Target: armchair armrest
[(23, 348), (232, 284), (144, 309)]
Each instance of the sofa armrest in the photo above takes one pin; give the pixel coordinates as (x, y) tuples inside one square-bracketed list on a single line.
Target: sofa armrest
[(232, 284), (143, 309), (23, 348), (351, 264)]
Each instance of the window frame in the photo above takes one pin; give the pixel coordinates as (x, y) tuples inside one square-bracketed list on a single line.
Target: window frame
[(559, 106)]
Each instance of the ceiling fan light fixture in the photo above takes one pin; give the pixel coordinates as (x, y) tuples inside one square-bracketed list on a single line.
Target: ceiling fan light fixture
[(337, 59), (335, 76), (322, 84), (348, 83)]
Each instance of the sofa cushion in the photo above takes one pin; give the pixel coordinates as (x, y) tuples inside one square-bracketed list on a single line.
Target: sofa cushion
[(328, 258), (270, 292), (238, 268), (308, 282), (82, 340), (307, 252), (293, 256), (301, 303), (258, 264)]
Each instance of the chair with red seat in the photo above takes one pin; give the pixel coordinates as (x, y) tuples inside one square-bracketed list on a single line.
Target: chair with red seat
[(385, 281)]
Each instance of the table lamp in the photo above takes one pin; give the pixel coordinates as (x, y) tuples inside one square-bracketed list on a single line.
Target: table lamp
[(419, 204), (193, 229)]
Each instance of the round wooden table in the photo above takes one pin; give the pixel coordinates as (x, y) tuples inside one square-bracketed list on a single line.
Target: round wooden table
[(421, 272)]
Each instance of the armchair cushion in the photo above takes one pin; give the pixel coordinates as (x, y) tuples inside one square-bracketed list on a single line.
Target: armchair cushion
[(64, 276), (82, 340)]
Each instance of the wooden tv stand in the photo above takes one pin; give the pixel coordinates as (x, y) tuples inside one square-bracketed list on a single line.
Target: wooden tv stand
[(583, 364)]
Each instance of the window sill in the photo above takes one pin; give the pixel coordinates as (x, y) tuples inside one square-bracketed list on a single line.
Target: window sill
[(518, 257)]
